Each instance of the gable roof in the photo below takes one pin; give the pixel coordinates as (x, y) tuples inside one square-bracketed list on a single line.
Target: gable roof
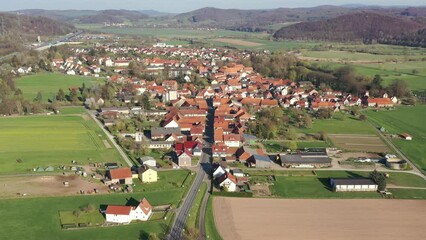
[(120, 173), (118, 210), (145, 206)]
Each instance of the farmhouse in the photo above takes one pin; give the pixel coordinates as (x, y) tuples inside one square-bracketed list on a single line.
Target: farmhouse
[(228, 182), (119, 176), (126, 214), (147, 174), (353, 185)]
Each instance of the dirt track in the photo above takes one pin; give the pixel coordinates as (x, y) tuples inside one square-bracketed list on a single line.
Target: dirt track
[(244, 218)]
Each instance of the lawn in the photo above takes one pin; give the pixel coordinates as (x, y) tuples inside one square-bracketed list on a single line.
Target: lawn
[(340, 124), (71, 110), (93, 217), (192, 220), (211, 231), (279, 146), (28, 142), (409, 120), (50, 83), (408, 193), (38, 218), (318, 186)]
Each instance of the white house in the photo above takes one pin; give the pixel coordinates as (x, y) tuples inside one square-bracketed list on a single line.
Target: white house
[(228, 182), (353, 185), (126, 214), (218, 172)]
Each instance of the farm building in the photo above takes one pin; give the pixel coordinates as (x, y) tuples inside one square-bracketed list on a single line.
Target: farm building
[(353, 185), (305, 160), (147, 174), (126, 214), (394, 162), (149, 161), (406, 136), (120, 175), (260, 161)]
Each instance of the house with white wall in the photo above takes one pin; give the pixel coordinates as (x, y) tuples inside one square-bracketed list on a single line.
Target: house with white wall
[(127, 214)]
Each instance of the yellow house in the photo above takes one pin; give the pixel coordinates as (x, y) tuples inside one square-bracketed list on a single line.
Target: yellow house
[(148, 175)]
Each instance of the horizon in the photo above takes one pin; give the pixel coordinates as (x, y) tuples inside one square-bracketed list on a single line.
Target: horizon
[(195, 5)]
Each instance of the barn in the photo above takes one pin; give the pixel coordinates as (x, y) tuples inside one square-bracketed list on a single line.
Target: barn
[(353, 185)]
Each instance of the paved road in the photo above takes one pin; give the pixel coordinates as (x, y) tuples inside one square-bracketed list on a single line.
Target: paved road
[(204, 168), (111, 137)]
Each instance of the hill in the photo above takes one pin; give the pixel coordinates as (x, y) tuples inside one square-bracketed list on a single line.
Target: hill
[(88, 16), (362, 26), (17, 30)]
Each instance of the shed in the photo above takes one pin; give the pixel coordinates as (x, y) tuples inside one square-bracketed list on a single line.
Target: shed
[(353, 185)]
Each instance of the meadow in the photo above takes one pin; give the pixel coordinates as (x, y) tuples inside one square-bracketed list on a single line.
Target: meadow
[(29, 142), (38, 218), (50, 83), (405, 119), (318, 186)]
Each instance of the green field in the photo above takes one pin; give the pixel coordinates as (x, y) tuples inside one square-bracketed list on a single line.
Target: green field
[(50, 83), (410, 120), (211, 230), (340, 124), (278, 146), (38, 218), (40, 141), (318, 186)]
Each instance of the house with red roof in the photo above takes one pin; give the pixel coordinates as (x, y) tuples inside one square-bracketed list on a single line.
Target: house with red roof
[(228, 182), (127, 214), (119, 176)]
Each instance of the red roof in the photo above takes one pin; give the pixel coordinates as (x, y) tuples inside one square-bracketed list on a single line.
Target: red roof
[(145, 206), (118, 210), (120, 173)]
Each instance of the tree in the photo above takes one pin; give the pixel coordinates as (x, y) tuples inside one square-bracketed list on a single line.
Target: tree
[(324, 113), (18, 92), (60, 96), (292, 146), (379, 179), (362, 117), (74, 96), (145, 101), (399, 88), (39, 98), (76, 213)]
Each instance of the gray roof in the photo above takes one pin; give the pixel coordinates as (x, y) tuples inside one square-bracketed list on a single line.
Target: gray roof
[(353, 181), (156, 131), (261, 158), (304, 158), (147, 158)]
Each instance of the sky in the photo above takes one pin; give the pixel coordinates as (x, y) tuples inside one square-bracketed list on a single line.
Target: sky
[(178, 6)]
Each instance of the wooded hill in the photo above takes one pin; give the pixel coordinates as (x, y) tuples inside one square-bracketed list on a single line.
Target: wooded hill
[(15, 30), (365, 26)]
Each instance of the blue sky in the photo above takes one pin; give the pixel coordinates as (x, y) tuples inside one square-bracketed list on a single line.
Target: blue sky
[(177, 6)]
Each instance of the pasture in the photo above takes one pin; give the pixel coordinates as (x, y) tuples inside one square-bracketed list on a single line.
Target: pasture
[(248, 218), (28, 142), (405, 119), (38, 218), (358, 142), (339, 124), (238, 42), (50, 83)]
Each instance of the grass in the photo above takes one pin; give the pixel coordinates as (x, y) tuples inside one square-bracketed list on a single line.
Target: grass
[(318, 186), (192, 220), (276, 146), (38, 218), (72, 110), (42, 141), (409, 120), (211, 230), (50, 83), (90, 218), (340, 124), (408, 193)]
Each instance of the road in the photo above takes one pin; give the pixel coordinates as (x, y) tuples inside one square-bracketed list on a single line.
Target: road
[(203, 169), (111, 137)]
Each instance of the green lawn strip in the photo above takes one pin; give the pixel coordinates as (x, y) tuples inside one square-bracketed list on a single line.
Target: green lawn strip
[(408, 193), (94, 217), (211, 230), (49, 84), (71, 110), (405, 120), (279, 146), (33, 216), (192, 220), (41, 141)]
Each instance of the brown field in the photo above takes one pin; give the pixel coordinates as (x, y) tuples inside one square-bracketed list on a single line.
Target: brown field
[(356, 142), (251, 218), (238, 42), (53, 185)]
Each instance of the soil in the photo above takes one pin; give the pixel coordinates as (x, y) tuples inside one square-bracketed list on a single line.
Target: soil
[(250, 219)]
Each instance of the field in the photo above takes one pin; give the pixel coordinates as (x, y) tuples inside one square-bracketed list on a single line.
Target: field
[(319, 187), (237, 42), (272, 146), (38, 218), (357, 142), (29, 142), (50, 83), (244, 218), (340, 124), (409, 120)]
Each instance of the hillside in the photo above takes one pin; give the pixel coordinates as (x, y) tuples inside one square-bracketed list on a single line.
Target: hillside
[(16, 30), (88, 16), (416, 39), (363, 26)]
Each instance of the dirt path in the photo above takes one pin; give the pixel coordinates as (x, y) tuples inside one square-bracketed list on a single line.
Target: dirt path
[(250, 219)]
